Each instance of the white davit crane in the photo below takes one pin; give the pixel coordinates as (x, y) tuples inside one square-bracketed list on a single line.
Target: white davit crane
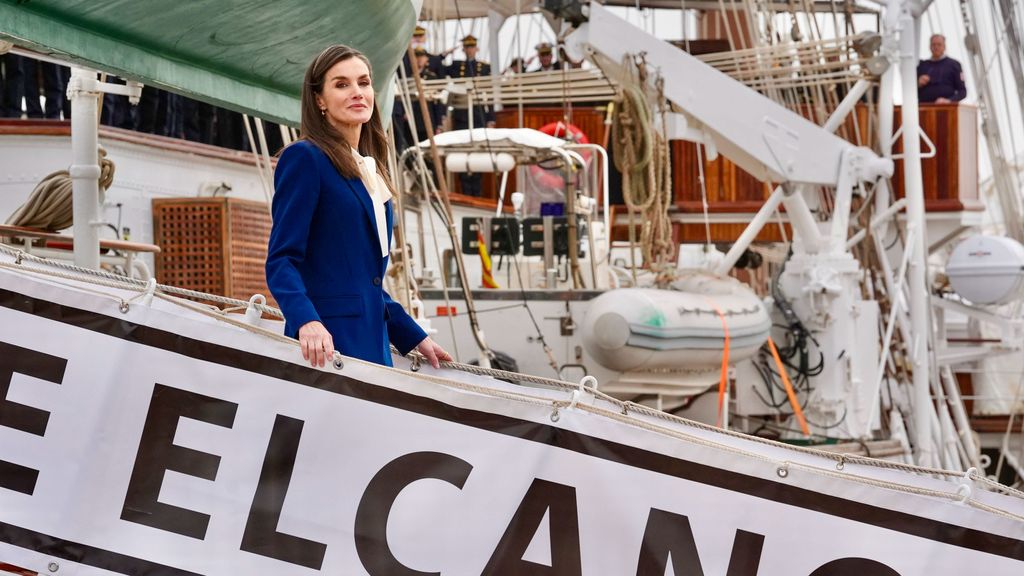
[(762, 137), (819, 289)]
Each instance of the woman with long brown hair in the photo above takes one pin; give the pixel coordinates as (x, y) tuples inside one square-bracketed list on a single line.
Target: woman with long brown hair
[(332, 215)]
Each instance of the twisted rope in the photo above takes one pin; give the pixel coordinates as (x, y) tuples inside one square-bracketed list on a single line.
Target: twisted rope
[(641, 154), (49, 206), (622, 411)]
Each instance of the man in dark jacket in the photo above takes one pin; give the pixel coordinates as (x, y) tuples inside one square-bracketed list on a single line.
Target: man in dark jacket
[(941, 79)]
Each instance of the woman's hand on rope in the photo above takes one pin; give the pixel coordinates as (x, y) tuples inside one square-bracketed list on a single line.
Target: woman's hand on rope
[(316, 342), (433, 352)]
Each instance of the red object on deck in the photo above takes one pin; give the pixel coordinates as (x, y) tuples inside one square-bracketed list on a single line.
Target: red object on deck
[(447, 311)]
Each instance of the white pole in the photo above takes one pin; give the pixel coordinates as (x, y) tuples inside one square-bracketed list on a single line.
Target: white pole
[(495, 20), (963, 423), (750, 232), (85, 169), (805, 227), (846, 106), (914, 187), (885, 131)]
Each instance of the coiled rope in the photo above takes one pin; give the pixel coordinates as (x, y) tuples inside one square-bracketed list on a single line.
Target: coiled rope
[(641, 154), (49, 207)]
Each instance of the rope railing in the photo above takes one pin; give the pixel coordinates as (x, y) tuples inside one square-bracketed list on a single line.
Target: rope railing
[(599, 403)]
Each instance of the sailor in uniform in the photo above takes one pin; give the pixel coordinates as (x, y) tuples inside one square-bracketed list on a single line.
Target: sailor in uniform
[(436, 109), (435, 62), (483, 115), (545, 59)]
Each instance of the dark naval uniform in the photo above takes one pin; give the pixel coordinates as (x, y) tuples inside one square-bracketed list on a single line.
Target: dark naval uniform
[(435, 63), (482, 114), (436, 116), (436, 109), (946, 80)]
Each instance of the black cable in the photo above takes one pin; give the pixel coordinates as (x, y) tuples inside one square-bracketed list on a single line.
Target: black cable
[(522, 292), (765, 423)]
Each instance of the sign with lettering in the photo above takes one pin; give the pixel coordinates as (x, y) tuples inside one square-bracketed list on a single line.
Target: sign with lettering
[(161, 441)]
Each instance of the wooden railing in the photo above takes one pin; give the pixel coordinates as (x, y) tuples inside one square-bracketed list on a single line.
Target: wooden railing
[(950, 177), (17, 127)]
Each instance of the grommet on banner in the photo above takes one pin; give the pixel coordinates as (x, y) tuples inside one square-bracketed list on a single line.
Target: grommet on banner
[(783, 471), (17, 259), (415, 366), (555, 417), (338, 362), (252, 314), (123, 307), (147, 295), (842, 462), (53, 566)]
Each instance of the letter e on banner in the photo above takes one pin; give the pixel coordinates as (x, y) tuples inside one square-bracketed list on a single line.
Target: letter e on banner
[(158, 453), (20, 417)]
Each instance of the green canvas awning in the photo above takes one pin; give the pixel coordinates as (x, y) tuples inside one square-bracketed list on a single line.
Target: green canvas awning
[(246, 55)]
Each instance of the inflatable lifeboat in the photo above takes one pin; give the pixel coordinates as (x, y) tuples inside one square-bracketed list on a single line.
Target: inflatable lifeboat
[(672, 341)]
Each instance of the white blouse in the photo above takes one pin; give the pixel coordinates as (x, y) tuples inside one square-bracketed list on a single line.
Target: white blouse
[(379, 194)]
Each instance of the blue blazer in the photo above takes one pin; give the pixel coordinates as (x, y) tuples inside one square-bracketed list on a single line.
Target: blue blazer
[(324, 262)]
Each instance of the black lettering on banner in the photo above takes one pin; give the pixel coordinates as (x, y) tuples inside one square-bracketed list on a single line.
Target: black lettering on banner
[(668, 534), (261, 535), (371, 528), (559, 501), (746, 554), (158, 453), (854, 567), (16, 359)]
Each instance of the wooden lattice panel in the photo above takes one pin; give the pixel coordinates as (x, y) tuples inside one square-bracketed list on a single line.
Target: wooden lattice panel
[(213, 245), (249, 230), (190, 233)]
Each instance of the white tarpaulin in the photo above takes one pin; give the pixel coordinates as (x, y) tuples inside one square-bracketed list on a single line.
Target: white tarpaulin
[(157, 440)]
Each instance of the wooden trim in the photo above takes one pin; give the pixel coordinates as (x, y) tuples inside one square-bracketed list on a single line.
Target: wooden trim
[(62, 128), (953, 205), (476, 202), (60, 241), (990, 424), (742, 206)]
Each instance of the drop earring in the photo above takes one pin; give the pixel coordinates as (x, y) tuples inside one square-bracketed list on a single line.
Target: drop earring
[(323, 112)]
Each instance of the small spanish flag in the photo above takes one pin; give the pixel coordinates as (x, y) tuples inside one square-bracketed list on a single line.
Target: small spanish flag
[(485, 261)]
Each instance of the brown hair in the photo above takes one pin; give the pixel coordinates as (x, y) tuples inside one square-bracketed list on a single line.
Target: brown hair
[(314, 127)]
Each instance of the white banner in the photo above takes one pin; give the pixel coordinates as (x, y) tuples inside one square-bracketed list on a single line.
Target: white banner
[(157, 441)]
